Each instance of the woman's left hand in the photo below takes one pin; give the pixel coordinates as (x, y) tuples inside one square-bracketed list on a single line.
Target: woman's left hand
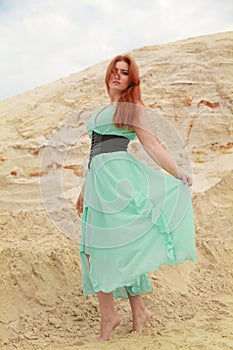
[(185, 177)]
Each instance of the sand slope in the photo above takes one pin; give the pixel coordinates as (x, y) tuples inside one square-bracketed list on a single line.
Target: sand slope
[(189, 83)]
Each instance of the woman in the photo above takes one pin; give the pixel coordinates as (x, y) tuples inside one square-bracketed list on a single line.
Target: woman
[(135, 218)]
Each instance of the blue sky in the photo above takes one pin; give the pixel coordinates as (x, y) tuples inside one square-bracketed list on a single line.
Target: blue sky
[(41, 41)]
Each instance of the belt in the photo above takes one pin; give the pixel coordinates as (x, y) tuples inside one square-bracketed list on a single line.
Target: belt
[(106, 144)]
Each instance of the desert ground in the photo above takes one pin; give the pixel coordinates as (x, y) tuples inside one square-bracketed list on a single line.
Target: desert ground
[(188, 86)]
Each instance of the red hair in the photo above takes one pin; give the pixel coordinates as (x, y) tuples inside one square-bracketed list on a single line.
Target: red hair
[(126, 113)]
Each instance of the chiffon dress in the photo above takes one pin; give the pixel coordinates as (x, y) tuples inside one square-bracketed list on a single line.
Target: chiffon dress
[(135, 219)]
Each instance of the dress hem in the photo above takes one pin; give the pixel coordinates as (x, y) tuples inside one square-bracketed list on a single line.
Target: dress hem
[(127, 284)]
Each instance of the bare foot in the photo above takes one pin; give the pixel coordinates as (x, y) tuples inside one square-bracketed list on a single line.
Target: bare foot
[(107, 326), (140, 321)]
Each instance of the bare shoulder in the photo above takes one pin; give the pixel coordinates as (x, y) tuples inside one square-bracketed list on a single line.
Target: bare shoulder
[(142, 120), (143, 127)]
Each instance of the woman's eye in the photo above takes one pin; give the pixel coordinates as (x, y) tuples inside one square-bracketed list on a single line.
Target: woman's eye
[(125, 72)]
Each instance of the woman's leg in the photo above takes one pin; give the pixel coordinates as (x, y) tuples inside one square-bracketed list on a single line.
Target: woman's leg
[(109, 317), (140, 314)]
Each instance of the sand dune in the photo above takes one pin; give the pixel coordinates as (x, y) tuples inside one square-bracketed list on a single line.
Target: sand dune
[(43, 156)]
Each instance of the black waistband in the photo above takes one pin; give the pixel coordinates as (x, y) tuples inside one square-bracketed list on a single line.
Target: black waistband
[(107, 143)]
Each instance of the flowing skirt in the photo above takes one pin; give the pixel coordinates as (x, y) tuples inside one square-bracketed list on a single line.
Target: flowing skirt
[(135, 219)]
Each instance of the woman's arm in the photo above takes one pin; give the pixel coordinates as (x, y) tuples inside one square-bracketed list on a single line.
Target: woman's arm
[(79, 202), (157, 152)]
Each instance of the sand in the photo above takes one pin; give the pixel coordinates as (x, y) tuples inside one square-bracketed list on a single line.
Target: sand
[(41, 301)]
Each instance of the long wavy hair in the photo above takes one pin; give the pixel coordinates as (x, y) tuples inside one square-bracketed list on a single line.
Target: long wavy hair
[(127, 111)]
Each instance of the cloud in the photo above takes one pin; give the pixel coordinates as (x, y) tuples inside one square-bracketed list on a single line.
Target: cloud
[(42, 41)]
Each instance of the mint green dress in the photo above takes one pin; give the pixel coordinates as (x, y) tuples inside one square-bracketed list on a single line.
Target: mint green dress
[(135, 219)]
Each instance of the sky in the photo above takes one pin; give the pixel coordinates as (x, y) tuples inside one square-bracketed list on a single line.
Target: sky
[(44, 40)]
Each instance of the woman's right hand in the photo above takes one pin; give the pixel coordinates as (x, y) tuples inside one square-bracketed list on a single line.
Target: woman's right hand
[(79, 203)]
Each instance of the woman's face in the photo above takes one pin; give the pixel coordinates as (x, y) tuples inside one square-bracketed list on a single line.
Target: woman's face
[(119, 79)]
